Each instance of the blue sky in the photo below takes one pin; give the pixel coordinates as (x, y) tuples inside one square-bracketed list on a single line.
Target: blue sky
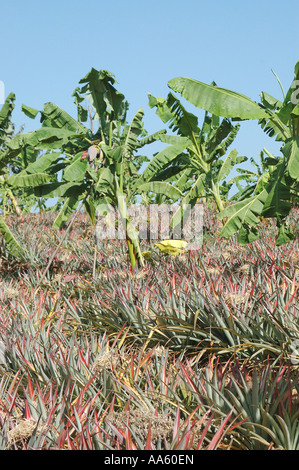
[(48, 46)]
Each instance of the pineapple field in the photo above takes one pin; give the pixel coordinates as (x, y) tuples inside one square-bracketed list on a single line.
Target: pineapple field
[(196, 351), (138, 342)]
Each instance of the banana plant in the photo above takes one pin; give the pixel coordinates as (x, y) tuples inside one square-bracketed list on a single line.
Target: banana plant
[(6, 191), (200, 172), (6, 134), (38, 157), (117, 181), (279, 119), (96, 166)]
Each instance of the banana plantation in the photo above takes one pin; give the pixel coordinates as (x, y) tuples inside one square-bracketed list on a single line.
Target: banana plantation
[(147, 341)]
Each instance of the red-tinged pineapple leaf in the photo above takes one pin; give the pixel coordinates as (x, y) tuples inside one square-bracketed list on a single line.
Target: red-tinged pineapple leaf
[(129, 441), (70, 445), (118, 432), (182, 443), (176, 423), (294, 296), (27, 410), (30, 388), (236, 425), (203, 435), (205, 416), (13, 399), (148, 444), (220, 433), (84, 445), (82, 358), (118, 445), (188, 379)]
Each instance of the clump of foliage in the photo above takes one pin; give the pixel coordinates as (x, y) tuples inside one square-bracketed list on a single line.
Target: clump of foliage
[(276, 189)]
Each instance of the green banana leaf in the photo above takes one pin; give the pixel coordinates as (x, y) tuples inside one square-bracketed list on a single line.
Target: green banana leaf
[(29, 180), (293, 162), (69, 206), (12, 244), (197, 189), (216, 100), (173, 112), (246, 211), (42, 139), (277, 203), (99, 90), (227, 165), (7, 109), (52, 190), (159, 187), (54, 116), (75, 170), (160, 160), (42, 164)]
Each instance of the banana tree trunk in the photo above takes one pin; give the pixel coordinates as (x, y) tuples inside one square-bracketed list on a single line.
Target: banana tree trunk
[(217, 197), (132, 256), (15, 204), (132, 235), (133, 244)]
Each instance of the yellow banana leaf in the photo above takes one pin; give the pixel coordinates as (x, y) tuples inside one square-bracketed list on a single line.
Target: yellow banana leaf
[(172, 247)]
